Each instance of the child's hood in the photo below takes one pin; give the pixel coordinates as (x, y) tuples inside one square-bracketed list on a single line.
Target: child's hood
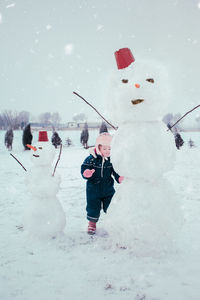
[(94, 153), (103, 139)]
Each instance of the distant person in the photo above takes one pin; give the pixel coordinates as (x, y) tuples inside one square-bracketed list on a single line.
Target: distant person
[(85, 136), (68, 142), (98, 170), (56, 140), (27, 136), (9, 139), (191, 143), (178, 140)]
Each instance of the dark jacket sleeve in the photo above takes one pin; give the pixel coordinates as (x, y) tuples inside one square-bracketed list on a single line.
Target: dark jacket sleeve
[(87, 164), (115, 175)]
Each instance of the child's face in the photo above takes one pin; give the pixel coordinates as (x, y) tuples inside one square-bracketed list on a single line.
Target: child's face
[(104, 150)]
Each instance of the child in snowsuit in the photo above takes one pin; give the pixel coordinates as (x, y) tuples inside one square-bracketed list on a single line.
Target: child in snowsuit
[(97, 169)]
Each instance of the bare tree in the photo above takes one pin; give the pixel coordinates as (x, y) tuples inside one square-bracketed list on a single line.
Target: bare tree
[(168, 119), (197, 119), (55, 118), (7, 118), (13, 119), (24, 117), (79, 117), (45, 118)]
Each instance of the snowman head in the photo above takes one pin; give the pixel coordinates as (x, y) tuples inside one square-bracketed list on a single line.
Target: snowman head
[(137, 92), (43, 152)]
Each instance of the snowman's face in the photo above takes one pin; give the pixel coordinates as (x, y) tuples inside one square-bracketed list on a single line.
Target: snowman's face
[(44, 154), (139, 93)]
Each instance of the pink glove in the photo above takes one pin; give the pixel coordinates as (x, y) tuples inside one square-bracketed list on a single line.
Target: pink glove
[(121, 178), (88, 173)]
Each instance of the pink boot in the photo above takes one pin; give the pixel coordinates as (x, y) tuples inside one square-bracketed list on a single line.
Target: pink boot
[(91, 227)]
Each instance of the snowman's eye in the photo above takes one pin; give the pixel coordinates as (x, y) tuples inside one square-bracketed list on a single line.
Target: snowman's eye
[(150, 80), (125, 80), (40, 148), (137, 101)]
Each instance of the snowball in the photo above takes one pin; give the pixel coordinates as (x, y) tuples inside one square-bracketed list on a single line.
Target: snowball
[(69, 49), (48, 27), (100, 27), (11, 5)]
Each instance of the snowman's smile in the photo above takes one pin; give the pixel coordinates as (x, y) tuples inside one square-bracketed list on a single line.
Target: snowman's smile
[(137, 101)]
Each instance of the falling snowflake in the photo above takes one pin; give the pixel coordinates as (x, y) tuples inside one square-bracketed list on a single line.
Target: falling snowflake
[(69, 49), (48, 27), (99, 27), (198, 5), (50, 56), (11, 5)]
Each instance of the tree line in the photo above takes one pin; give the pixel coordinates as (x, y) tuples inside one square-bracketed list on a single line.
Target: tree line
[(14, 119), (18, 120)]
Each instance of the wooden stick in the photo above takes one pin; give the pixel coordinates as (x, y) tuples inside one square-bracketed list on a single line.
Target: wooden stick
[(18, 161), (183, 117), (95, 110), (57, 160)]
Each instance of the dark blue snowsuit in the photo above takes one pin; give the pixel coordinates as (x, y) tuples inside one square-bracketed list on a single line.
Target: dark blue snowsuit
[(100, 187)]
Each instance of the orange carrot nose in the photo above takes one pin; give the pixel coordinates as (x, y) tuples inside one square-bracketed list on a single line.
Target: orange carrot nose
[(137, 85), (31, 147)]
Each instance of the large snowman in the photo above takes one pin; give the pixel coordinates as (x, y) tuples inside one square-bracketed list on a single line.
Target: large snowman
[(144, 214), (44, 216)]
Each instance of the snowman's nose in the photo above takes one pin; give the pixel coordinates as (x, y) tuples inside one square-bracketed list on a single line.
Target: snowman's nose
[(137, 85)]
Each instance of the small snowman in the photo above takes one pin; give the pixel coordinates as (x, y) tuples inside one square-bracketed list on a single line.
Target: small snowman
[(44, 215), (145, 214)]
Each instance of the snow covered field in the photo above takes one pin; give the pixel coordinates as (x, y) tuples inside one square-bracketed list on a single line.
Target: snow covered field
[(77, 266)]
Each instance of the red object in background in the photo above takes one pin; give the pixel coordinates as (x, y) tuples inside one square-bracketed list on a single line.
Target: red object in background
[(43, 137), (124, 58)]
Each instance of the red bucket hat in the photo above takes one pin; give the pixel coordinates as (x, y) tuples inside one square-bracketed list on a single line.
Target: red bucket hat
[(43, 137), (124, 58)]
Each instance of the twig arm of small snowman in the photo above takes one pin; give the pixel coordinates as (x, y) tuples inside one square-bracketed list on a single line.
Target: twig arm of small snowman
[(170, 127), (57, 160), (18, 161), (95, 110)]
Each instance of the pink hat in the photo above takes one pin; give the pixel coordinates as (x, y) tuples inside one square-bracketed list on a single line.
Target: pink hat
[(124, 58), (103, 139)]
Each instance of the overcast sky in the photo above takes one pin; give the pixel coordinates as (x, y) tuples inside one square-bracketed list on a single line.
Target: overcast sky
[(50, 48)]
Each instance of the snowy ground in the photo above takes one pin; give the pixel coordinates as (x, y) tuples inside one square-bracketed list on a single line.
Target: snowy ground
[(77, 266)]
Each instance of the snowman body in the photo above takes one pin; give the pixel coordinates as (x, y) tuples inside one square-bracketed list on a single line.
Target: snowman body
[(144, 214), (44, 215)]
